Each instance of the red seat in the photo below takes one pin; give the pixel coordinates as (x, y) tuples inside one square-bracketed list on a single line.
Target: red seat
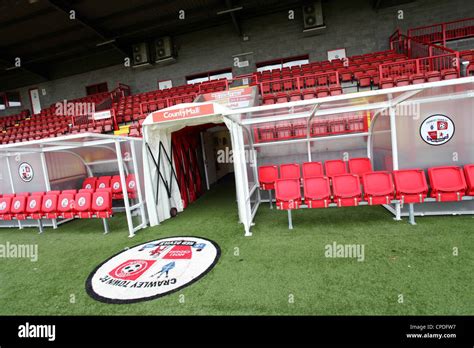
[(33, 207), (131, 186), (5, 206), (346, 189), (295, 96), (103, 182), (469, 174), (335, 90), (449, 74), (49, 206), (65, 205), (268, 100), (322, 92), (116, 186), (11, 195), (24, 194), (267, 175), (308, 94), (18, 207), (334, 167), (288, 194), (386, 82), (70, 191), (38, 194), (290, 171), (360, 166), (281, 98), (417, 78), (402, 80), (447, 183), (102, 204), (378, 187), (410, 185), (433, 76), (82, 205), (53, 193), (364, 80), (317, 192), (89, 183), (312, 169)]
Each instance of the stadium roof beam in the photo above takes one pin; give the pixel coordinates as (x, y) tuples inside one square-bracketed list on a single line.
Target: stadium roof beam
[(8, 64), (64, 6), (233, 16)]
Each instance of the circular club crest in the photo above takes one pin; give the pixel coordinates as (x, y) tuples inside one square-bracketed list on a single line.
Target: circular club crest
[(3, 206), (437, 130), (48, 203), (153, 269), (99, 201), (32, 204), (25, 170)]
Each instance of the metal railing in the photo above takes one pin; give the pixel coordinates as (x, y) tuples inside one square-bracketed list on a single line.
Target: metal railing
[(442, 32)]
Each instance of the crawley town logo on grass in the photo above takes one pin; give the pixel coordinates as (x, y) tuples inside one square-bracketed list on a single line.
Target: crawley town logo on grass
[(153, 269)]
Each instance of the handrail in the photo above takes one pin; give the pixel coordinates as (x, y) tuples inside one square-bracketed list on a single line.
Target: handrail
[(442, 32), (299, 81)]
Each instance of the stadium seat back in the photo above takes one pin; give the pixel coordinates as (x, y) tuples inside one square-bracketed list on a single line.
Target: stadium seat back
[(89, 183), (103, 182), (101, 201), (469, 174), (346, 185), (447, 179), (83, 201), (116, 184), (316, 187), (267, 175), (378, 183), (50, 202), (33, 205), (312, 169), (5, 205), (290, 171), (335, 167), (360, 166), (66, 202), (131, 184)]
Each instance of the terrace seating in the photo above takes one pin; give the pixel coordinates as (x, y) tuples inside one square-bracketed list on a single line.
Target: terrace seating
[(89, 183), (447, 183), (5, 206), (360, 166)]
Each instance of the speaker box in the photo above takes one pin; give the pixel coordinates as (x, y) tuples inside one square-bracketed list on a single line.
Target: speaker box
[(141, 54), (164, 49), (313, 15)]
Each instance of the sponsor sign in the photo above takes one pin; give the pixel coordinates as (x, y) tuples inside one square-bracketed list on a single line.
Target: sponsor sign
[(437, 129), (153, 269), (233, 99), (183, 113), (102, 115), (25, 170)]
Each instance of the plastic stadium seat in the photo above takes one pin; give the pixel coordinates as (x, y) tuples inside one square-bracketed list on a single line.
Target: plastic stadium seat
[(11, 195), (386, 82), (290, 171), (103, 182), (447, 183), (33, 207), (83, 205), (38, 193), (312, 169), (308, 94), (432, 76), (288, 194), (364, 80), (378, 187), (410, 185), (5, 205), (24, 194), (70, 191), (295, 96), (417, 78), (360, 166), (18, 207), (116, 186), (335, 167), (53, 193), (49, 206), (346, 190), (65, 206), (131, 186), (335, 90), (402, 80), (267, 175), (322, 92), (449, 74), (281, 98), (89, 183), (102, 204), (317, 192), (268, 100), (469, 174)]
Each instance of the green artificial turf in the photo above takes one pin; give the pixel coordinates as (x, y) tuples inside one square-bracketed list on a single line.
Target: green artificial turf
[(274, 272)]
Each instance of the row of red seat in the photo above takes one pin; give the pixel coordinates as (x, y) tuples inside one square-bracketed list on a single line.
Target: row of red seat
[(54, 205), (448, 183), (429, 76), (298, 129), (309, 93), (114, 183)]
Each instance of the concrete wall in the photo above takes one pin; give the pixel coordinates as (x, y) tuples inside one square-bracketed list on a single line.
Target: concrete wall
[(353, 25)]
